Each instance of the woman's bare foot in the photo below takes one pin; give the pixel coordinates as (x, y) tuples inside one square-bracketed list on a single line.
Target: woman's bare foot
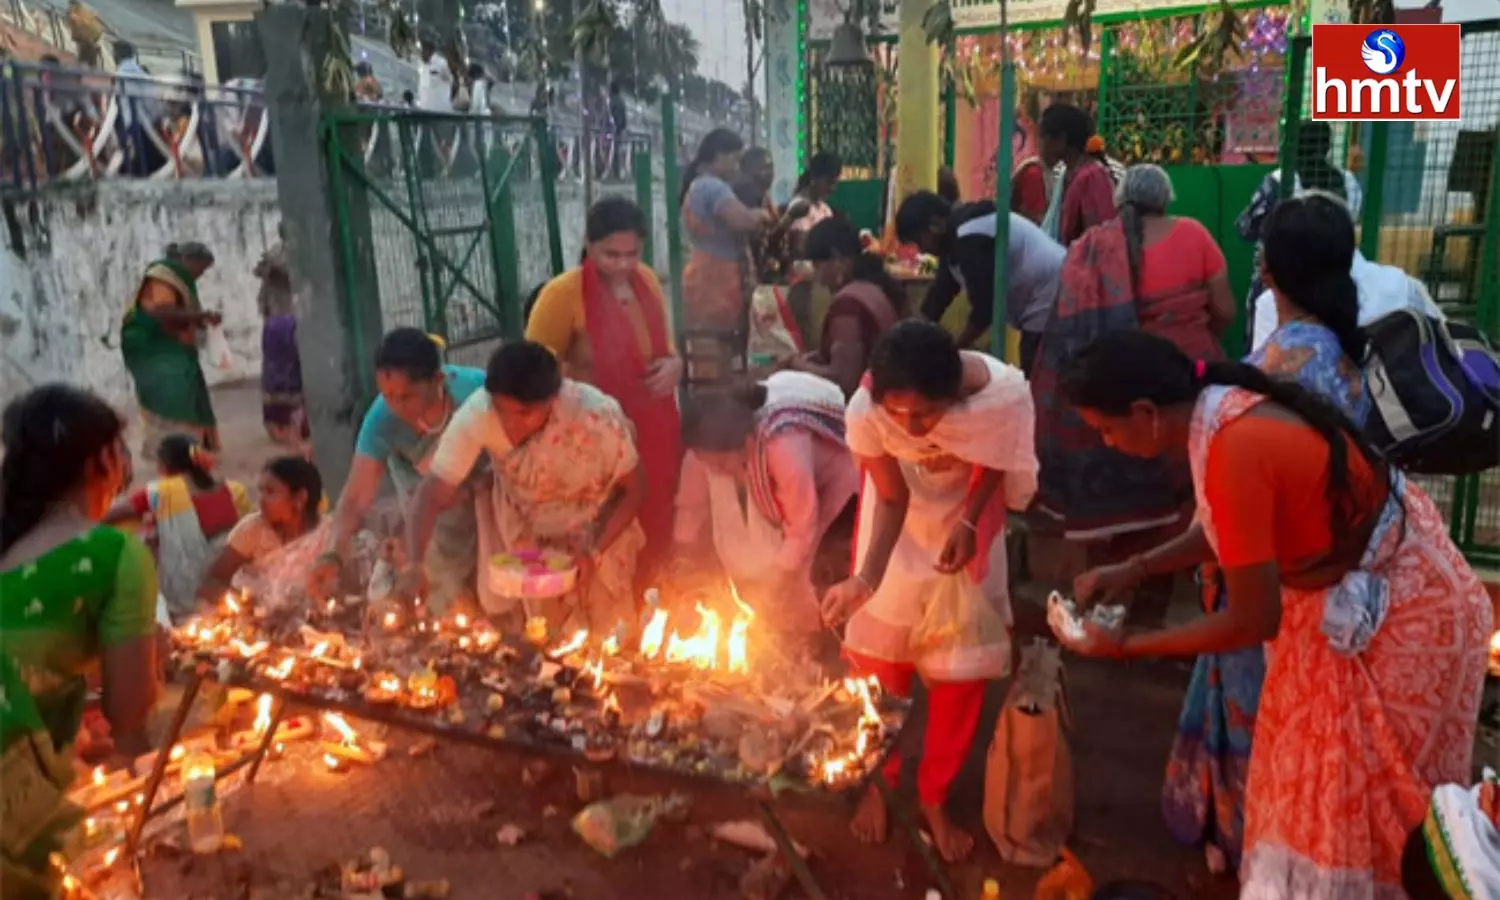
[(869, 822), (952, 842)]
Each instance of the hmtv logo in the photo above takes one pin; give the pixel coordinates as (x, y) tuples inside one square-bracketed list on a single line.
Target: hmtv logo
[(1390, 73)]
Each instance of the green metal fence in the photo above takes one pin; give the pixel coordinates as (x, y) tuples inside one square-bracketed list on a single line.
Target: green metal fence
[(448, 223), (1428, 194)]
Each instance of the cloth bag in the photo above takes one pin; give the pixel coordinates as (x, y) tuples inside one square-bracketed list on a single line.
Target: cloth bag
[(1028, 786)]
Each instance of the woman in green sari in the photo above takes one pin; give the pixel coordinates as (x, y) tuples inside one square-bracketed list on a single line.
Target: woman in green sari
[(160, 337), (79, 599)]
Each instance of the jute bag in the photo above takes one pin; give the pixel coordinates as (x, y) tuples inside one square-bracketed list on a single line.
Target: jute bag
[(1028, 788)]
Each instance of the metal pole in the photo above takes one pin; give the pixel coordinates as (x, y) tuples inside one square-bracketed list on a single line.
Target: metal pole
[(1373, 210), (1003, 166), (1296, 78), (674, 211)]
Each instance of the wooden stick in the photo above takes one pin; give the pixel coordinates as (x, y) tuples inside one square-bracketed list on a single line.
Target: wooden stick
[(179, 719)]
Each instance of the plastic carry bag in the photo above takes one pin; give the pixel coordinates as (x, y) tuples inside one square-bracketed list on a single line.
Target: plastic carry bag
[(216, 353), (1028, 787), (958, 616)]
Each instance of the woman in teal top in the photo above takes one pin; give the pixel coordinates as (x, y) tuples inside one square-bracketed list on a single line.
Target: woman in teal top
[(418, 395), (76, 596)]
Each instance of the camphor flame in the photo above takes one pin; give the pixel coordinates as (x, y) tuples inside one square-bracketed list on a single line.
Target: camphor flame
[(331, 761), (320, 648), (611, 646), (348, 735), (739, 629), (391, 683), (262, 714), (249, 650), (702, 649), (98, 776), (655, 633), (461, 621), (573, 644), (282, 669), (835, 768), (1495, 643), (230, 606)]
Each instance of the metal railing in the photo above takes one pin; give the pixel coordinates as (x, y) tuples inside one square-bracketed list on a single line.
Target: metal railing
[(61, 125), (50, 25)]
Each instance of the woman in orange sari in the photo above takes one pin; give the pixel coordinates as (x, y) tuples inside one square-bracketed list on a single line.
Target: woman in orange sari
[(583, 317), (719, 276), (1376, 628)]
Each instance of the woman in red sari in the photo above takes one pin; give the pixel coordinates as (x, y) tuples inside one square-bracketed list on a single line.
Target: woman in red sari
[(584, 317), (1143, 270)]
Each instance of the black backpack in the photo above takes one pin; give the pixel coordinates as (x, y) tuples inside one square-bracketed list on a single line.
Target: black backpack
[(1436, 392)]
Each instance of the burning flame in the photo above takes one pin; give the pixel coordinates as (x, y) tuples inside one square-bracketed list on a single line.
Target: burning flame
[(391, 683), (178, 752), (655, 633), (262, 715), (461, 621), (230, 606), (738, 632), (320, 648), (347, 734), (110, 856), (98, 776), (282, 669), (611, 646), (1495, 643), (869, 728), (249, 650), (391, 620), (597, 669), (700, 650), (573, 643), (333, 606), (331, 761)]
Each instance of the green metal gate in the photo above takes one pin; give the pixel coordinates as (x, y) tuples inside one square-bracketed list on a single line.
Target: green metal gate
[(1429, 207), (448, 222), (443, 222)]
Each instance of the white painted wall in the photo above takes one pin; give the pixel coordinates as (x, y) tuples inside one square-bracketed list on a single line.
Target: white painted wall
[(63, 292)]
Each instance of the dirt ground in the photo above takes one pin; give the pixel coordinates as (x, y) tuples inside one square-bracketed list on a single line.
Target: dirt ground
[(438, 815)]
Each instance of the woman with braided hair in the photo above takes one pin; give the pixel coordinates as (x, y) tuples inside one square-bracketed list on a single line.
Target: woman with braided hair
[(77, 596), (1376, 628)]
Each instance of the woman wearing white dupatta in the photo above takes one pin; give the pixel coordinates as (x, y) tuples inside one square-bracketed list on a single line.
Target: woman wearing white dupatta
[(767, 472), (946, 441)]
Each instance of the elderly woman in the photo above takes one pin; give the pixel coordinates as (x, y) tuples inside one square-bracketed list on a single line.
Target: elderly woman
[(1143, 270), (944, 438), (1376, 628), (780, 445), (567, 478), (159, 339)]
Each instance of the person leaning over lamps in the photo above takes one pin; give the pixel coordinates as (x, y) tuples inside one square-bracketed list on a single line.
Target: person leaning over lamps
[(567, 477)]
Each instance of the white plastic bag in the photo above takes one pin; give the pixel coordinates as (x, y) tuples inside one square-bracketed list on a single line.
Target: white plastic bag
[(216, 353)]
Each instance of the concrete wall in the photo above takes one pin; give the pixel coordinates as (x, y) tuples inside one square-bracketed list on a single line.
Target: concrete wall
[(73, 260)]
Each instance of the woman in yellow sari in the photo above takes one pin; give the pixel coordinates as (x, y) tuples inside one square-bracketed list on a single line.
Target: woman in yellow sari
[(159, 339), (582, 316)]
